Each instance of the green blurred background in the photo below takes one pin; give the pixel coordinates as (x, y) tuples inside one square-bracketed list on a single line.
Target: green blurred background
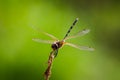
[(23, 59)]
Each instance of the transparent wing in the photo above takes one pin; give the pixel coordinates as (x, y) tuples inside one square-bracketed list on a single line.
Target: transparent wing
[(43, 41), (80, 33), (80, 47), (50, 35)]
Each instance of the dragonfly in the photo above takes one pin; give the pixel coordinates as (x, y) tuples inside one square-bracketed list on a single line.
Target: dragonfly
[(56, 44)]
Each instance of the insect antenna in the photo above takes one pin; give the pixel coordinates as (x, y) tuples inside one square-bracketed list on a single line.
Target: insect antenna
[(71, 28)]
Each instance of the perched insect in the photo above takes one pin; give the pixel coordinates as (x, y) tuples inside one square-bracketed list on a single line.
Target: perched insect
[(59, 43)]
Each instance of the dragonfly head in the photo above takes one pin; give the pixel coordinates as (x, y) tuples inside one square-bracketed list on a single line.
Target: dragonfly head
[(57, 44)]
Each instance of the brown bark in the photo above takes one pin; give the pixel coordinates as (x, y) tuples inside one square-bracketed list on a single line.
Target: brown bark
[(48, 70)]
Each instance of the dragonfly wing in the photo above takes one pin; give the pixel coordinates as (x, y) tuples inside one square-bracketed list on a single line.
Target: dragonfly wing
[(50, 35), (80, 47), (80, 33), (43, 41)]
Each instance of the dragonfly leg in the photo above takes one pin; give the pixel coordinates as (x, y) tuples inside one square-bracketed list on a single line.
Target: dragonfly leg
[(55, 52)]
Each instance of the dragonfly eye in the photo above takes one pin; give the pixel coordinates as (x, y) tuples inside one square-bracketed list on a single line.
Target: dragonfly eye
[(54, 46)]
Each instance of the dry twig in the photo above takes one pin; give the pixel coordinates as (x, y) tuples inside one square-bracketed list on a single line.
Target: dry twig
[(48, 70)]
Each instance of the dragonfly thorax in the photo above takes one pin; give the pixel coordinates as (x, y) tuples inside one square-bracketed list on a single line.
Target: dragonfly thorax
[(57, 45)]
